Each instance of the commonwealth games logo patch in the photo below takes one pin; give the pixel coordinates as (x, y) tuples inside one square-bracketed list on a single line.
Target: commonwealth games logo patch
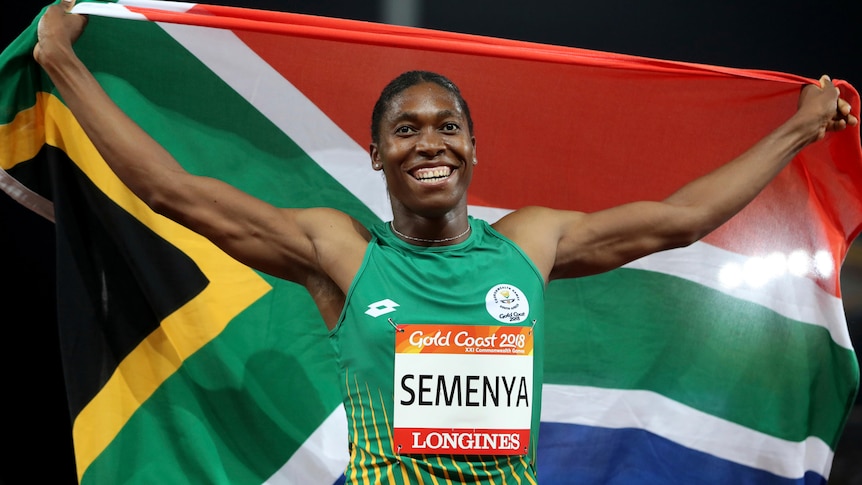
[(507, 304)]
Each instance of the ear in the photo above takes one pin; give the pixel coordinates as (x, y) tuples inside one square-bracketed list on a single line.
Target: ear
[(376, 164), (475, 160)]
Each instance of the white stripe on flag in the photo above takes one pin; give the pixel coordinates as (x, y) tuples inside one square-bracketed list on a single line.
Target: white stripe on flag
[(490, 214), (795, 297), (617, 409), (106, 10), (280, 101), (117, 9), (321, 459), (170, 6)]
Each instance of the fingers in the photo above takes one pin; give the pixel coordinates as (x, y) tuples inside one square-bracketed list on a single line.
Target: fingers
[(844, 112), (843, 116), (843, 107), (56, 28), (828, 86), (826, 83)]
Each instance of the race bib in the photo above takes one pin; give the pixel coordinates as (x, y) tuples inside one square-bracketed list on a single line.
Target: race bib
[(463, 389)]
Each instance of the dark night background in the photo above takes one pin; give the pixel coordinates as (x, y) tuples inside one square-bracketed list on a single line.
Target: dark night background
[(807, 38)]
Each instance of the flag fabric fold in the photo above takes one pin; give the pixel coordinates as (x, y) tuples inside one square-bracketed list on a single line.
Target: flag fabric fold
[(728, 361)]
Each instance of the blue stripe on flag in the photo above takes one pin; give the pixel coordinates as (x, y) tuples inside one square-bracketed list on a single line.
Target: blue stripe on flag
[(570, 453)]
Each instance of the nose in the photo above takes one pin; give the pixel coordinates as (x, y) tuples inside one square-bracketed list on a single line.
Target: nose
[(430, 143)]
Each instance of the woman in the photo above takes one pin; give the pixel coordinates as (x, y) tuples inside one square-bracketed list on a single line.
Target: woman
[(433, 277)]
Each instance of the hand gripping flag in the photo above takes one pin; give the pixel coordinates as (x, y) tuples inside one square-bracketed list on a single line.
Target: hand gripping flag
[(725, 362)]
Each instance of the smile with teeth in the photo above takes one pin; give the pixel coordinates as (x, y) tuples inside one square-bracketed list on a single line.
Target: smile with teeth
[(432, 174)]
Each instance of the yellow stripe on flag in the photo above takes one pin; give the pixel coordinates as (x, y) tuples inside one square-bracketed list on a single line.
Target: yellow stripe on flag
[(233, 287)]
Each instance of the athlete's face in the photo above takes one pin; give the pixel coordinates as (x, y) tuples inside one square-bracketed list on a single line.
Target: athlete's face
[(425, 150)]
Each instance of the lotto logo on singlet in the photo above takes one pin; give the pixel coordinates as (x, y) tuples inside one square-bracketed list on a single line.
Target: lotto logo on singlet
[(381, 307), (507, 304)]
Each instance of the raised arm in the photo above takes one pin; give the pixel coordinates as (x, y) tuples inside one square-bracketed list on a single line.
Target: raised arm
[(305, 246), (570, 244)]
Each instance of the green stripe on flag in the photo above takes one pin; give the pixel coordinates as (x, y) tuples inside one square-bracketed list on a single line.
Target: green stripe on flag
[(237, 409), (724, 356)]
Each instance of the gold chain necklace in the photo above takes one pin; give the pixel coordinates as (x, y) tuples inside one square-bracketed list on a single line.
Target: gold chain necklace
[(445, 239)]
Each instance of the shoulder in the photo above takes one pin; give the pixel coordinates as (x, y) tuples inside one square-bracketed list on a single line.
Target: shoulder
[(537, 231), (327, 223)]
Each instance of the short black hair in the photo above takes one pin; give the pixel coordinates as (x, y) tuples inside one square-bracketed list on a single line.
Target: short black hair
[(409, 79)]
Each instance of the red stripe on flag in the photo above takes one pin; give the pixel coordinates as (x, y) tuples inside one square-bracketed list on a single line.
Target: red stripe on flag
[(578, 129)]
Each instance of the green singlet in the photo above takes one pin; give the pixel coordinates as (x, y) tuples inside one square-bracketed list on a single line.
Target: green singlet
[(484, 281)]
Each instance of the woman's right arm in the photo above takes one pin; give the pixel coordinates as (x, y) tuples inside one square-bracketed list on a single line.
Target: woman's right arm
[(289, 243)]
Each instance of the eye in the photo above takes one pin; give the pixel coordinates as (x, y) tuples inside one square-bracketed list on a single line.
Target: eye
[(404, 130), (450, 127)]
